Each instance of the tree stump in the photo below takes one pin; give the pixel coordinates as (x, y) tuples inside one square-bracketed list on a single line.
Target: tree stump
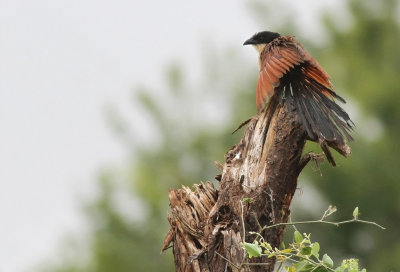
[(208, 226)]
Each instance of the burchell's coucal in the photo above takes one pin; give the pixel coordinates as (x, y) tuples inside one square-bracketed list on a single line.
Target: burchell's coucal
[(289, 71)]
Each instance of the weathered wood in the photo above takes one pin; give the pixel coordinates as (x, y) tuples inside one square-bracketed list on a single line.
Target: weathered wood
[(190, 211), (206, 224)]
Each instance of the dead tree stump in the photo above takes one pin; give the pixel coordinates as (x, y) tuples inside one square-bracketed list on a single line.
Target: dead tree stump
[(206, 224)]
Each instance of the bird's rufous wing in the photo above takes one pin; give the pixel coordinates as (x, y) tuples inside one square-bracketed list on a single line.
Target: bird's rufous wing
[(313, 69), (278, 59)]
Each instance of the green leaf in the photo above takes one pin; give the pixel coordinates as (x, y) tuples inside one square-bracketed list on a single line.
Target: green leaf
[(321, 269), (298, 237), (315, 249), (287, 250), (329, 211), (303, 266), (252, 249), (246, 200), (340, 269), (305, 251), (290, 269), (327, 260), (355, 213)]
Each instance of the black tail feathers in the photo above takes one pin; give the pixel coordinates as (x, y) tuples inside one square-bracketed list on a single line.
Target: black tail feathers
[(324, 121)]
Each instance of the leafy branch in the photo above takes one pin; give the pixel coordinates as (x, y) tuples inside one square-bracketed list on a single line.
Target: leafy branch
[(301, 253), (328, 212)]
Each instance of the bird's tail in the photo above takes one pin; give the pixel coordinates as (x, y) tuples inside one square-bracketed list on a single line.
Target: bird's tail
[(324, 121)]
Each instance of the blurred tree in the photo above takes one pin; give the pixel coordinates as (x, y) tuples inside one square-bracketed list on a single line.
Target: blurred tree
[(193, 121), (193, 125), (364, 60)]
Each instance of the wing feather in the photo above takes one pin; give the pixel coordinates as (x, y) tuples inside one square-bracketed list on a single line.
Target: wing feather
[(313, 68), (276, 69), (272, 73), (263, 85), (278, 58), (284, 63), (275, 62), (282, 68)]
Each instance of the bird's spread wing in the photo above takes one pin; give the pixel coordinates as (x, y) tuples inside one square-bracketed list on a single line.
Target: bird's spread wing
[(277, 59), (289, 72)]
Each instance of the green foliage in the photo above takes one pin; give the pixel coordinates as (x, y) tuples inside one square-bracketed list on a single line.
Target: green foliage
[(303, 254), (253, 250), (246, 200)]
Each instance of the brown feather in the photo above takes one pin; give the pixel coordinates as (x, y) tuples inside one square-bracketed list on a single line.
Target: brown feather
[(276, 69), (282, 68), (275, 62), (264, 89), (308, 58), (267, 71), (317, 75), (291, 55), (273, 74), (287, 64)]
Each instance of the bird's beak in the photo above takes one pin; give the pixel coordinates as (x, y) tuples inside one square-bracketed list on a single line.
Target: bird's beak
[(249, 41)]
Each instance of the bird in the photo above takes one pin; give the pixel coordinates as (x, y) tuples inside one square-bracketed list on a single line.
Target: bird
[(290, 72)]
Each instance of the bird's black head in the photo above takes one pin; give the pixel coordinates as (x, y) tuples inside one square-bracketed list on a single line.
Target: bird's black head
[(263, 37)]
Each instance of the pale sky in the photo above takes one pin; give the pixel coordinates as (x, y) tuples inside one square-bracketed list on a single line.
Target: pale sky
[(61, 63)]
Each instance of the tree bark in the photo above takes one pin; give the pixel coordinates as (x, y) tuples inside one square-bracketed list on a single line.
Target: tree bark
[(208, 226)]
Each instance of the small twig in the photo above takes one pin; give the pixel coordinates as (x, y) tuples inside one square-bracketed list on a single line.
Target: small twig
[(316, 158), (337, 224), (242, 217), (280, 266), (234, 265), (259, 227), (242, 125), (289, 255), (313, 262), (288, 258), (290, 221), (244, 236), (219, 165), (271, 197), (256, 264), (166, 248)]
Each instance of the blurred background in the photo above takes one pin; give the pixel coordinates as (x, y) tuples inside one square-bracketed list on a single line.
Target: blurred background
[(104, 106)]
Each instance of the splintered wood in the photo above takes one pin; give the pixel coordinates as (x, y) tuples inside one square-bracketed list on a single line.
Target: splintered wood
[(207, 224), (190, 211)]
